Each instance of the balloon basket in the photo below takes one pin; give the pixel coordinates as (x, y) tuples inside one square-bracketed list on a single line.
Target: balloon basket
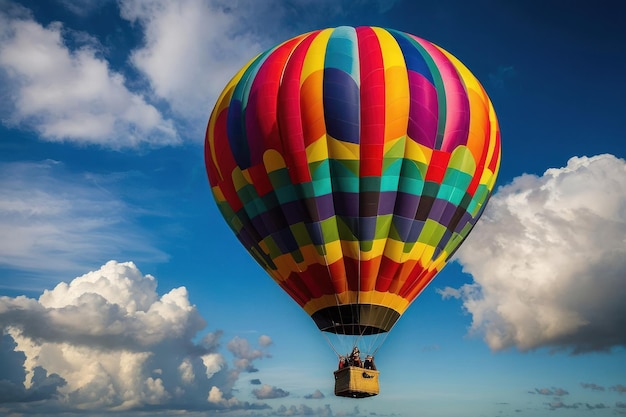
[(355, 382)]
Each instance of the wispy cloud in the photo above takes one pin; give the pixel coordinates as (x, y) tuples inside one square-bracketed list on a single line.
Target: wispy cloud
[(62, 222), (548, 259)]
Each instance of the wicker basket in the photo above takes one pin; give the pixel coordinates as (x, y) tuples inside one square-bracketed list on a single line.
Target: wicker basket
[(355, 382)]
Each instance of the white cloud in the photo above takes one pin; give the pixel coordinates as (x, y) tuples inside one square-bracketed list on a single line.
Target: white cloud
[(266, 392), (191, 50), (549, 260), (108, 341), (63, 222), (71, 95)]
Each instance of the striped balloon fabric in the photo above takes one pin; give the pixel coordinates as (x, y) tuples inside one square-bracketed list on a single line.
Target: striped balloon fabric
[(351, 163)]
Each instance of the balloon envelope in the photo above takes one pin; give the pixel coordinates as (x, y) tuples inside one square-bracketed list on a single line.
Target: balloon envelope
[(351, 163)]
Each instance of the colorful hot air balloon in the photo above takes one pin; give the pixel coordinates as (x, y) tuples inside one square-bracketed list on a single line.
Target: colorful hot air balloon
[(351, 163)]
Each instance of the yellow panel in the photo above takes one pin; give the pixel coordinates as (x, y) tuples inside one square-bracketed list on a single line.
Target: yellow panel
[(239, 180), (339, 149), (314, 59), (378, 247), (394, 250), (273, 160), (418, 152), (333, 252), (317, 151), (389, 300)]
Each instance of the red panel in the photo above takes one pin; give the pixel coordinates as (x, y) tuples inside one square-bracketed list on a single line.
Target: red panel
[(290, 122), (372, 103), (369, 273), (437, 166), (388, 270), (338, 274), (260, 180), (261, 108)]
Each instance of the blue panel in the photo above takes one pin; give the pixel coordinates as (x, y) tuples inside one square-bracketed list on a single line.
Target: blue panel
[(341, 105), (412, 55)]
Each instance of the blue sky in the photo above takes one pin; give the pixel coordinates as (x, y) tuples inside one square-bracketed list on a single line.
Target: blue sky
[(123, 292)]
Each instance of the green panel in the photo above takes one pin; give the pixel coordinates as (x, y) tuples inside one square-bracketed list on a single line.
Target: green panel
[(322, 187), (444, 192), (274, 251), (430, 189), (411, 185), (319, 169), (350, 166), (286, 194), (383, 224), (346, 184), (463, 160), (431, 233), (457, 196), (346, 233), (369, 184), (329, 229), (301, 234), (389, 183), (412, 169), (397, 150), (279, 178)]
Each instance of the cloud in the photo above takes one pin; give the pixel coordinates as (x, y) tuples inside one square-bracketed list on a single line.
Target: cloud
[(317, 394), (593, 387), (548, 260), (108, 341), (244, 354), (268, 392), (62, 222), (558, 392), (189, 66), (71, 94), (619, 388)]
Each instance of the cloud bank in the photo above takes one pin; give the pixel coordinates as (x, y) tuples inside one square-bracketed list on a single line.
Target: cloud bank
[(548, 260), (108, 341)]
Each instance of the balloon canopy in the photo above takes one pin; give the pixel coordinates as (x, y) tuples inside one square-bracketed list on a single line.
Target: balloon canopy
[(351, 163)]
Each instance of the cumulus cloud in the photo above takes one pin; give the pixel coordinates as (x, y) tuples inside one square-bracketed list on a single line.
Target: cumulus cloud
[(245, 354), (108, 340), (548, 260), (317, 394), (62, 222), (266, 392), (71, 94)]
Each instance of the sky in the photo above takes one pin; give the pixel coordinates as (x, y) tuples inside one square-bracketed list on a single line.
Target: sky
[(124, 293)]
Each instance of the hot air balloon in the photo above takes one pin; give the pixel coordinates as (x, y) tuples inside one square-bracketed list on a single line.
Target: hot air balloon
[(351, 163)]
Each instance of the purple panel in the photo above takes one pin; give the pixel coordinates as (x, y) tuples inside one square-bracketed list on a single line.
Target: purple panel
[(387, 202), (423, 111), (346, 204), (295, 212), (403, 226), (325, 207), (406, 205)]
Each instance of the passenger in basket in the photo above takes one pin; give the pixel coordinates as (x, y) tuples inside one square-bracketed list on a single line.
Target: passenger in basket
[(343, 362), (369, 363), (355, 359)]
